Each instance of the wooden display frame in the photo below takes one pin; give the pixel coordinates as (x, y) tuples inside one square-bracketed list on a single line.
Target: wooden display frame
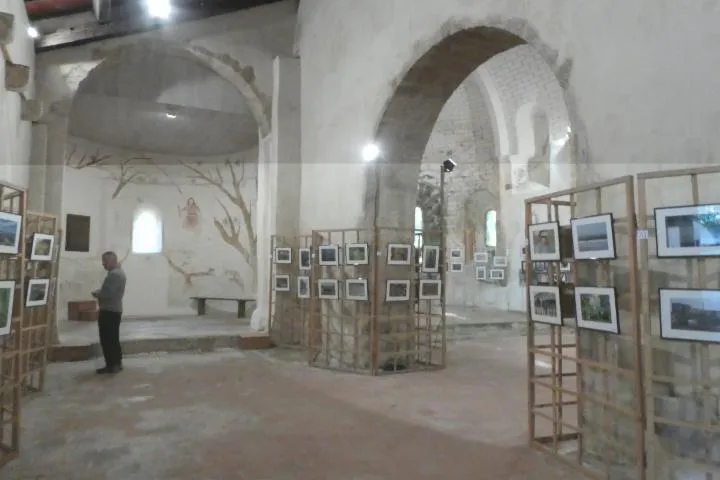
[(594, 360), (698, 386)]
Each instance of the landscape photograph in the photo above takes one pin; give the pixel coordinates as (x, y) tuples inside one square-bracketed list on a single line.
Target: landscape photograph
[(596, 309), (688, 231), (690, 314), (593, 237), (9, 232)]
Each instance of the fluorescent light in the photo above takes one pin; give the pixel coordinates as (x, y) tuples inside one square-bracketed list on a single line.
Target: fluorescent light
[(32, 32), (371, 152), (159, 8), (170, 115)]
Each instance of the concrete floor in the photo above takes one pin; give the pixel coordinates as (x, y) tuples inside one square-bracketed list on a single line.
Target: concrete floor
[(235, 415)]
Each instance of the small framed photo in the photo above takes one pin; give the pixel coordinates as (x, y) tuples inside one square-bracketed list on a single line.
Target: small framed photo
[(283, 255), (282, 283), (690, 315), (456, 267), (328, 255), (397, 291), (544, 241), (356, 289), (497, 274), (303, 287), (480, 272), (457, 253), (596, 309), (37, 292), (593, 237), (545, 305), (305, 258), (500, 262), (482, 257), (430, 289), (692, 231), (42, 247), (356, 254), (399, 254), (7, 296), (430, 259), (328, 289)]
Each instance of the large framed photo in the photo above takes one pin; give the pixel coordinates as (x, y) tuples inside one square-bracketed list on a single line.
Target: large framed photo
[(593, 237), (356, 254), (691, 315), (544, 241), (356, 289), (37, 292), (328, 255), (282, 283), (399, 254), (10, 233), (596, 309), (545, 304), (7, 296), (431, 259), (692, 231), (42, 247), (430, 289), (283, 255), (397, 291)]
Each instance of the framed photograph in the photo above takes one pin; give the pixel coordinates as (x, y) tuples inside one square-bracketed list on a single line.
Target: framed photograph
[(497, 274), (42, 247), (430, 259), (282, 283), (37, 292), (692, 231), (356, 254), (596, 309), (328, 255), (430, 289), (544, 241), (283, 255), (691, 315), (356, 289), (7, 296), (303, 287), (480, 272), (500, 262), (305, 258), (328, 289), (482, 257), (457, 253), (545, 305), (399, 254), (593, 237), (10, 225), (456, 267), (397, 291)]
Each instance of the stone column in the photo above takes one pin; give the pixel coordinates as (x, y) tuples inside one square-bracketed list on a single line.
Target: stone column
[(38, 167)]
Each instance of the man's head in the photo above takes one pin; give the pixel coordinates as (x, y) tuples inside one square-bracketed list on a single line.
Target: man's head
[(109, 260)]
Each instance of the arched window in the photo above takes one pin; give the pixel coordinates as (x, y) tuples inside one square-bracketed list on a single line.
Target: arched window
[(491, 229), (418, 227), (147, 235)]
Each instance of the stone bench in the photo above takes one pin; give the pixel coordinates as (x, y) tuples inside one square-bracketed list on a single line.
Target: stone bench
[(241, 302)]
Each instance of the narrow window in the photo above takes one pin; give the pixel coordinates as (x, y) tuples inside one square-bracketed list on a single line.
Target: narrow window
[(418, 227), (147, 235), (491, 229)]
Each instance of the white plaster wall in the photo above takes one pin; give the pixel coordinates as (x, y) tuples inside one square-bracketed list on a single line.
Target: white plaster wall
[(14, 134)]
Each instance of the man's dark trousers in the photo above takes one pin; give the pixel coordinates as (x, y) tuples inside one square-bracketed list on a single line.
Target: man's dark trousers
[(109, 328)]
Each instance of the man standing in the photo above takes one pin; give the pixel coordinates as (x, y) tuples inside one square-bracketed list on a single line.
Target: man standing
[(109, 299)]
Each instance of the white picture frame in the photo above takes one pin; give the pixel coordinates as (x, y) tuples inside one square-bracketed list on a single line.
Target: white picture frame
[(430, 259), (545, 304), (304, 258), (457, 253), (675, 226), (689, 306), (282, 255), (38, 290), (356, 289), (282, 283), (397, 291), (593, 237), (456, 267), (328, 289), (430, 290), (399, 254), (10, 226), (480, 272), (7, 298), (481, 257), (497, 274), (43, 247), (303, 286), (328, 255), (596, 309), (544, 240), (500, 261), (356, 254)]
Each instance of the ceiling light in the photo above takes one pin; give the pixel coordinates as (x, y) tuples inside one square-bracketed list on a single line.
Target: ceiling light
[(449, 165), (170, 115), (32, 32), (371, 152), (159, 8)]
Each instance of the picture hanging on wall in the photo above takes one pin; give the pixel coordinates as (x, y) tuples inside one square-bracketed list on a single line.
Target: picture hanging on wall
[(356, 289), (283, 255), (10, 225), (42, 247), (691, 231), (544, 241), (456, 267), (482, 257), (397, 290), (356, 254), (282, 283), (480, 272), (328, 255), (305, 257), (431, 259), (303, 287), (593, 237), (596, 309), (399, 254), (430, 289), (500, 261), (37, 292), (457, 253), (691, 315), (328, 289), (497, 274), (7, 296), (545, 305)]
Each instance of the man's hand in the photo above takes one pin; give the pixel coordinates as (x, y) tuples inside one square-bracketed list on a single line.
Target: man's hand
[(95, 293)]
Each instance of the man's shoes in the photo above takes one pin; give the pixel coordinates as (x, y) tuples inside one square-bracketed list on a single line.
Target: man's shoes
[(106, 370)]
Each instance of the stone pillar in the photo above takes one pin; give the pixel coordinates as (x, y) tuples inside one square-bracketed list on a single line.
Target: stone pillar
[(265, 203), (38, 167)]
